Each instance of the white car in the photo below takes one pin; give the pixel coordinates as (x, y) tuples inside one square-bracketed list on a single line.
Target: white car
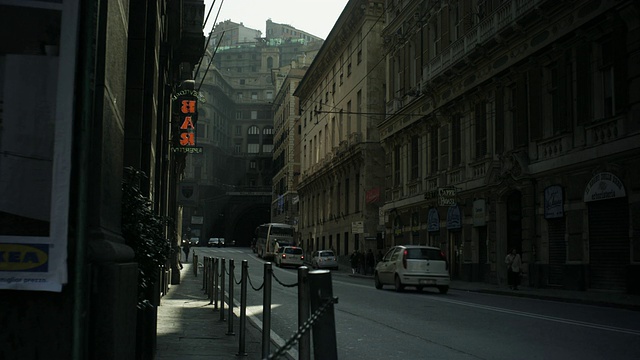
[(213, 242), (324, 259), (413, 265), (289, 256)]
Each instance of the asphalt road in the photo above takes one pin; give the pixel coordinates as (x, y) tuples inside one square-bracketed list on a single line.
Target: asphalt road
[(384, 324)]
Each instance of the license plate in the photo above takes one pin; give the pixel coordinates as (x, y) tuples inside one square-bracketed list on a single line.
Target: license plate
[(427, 282)]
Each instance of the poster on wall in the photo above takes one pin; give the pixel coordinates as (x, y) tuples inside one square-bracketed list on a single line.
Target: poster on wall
[(35, 154), (553, 202)]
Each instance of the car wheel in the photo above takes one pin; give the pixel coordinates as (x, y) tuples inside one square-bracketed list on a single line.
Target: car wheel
[(377, 281), (443, 289), (419, 288), (398, 284)]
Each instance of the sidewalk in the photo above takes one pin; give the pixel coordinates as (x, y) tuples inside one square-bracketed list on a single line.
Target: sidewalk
[(590, 297), (189, 329)]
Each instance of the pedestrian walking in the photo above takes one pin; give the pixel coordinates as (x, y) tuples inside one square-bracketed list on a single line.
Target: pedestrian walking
[(370, 261), (186, 249), (354, 261), (514, 267)]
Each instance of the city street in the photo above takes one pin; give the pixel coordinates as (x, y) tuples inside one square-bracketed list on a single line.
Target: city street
[(384, 324)]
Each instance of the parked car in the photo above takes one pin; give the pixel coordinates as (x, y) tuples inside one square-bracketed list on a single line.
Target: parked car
[(214, 241), (289, 256), (221, 243), (195, 241), (324, 259), (413, 265)]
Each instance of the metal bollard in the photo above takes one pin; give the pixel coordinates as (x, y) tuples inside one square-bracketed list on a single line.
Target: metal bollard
[(243, 309), (266, 311), (230, 316), (221, 290), (210, 281), (304, 344), (194, 259), (324, 329), (205, 261), (216, 262)]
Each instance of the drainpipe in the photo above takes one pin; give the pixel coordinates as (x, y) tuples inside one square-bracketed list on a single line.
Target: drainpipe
[(86, 60)]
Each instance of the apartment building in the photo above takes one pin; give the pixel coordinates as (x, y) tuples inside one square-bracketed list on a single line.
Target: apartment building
[(341, 102), (230, 183), (514, 124)]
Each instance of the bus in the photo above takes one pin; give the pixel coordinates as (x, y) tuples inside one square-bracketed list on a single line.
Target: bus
[(271, 236)]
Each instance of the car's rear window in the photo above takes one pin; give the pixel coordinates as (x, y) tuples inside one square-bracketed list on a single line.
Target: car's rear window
[(295, 251), (424, 254), (326, 253)]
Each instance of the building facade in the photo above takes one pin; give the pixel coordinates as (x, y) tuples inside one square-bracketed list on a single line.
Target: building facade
[(100, 78), (514, 124), (233, 176), (341, 100)]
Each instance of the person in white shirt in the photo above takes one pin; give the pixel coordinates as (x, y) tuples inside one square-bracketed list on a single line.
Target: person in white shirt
[(514, 266)]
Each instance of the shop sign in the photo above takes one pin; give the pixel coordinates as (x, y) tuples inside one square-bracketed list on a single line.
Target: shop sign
[(433, 221), (553, 202), (479, 212), (604, 186), (446, 196), (187, 105), (454, 219)]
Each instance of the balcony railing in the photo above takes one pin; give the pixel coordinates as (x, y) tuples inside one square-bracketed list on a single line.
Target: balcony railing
[(481, 33)]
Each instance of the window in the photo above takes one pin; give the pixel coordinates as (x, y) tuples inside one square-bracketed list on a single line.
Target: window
[(433, 145), (237, 148), (238, 130), (456, 141), (606, 78), (415, 162), (444, 147), (254, 130), (346, 198), (239, 95), (253, 148), (356, 192), (242, 81), (254, 95), (481, 130), (359, 56), (269, 95), (254, 114), (252, 164), (397, 165)]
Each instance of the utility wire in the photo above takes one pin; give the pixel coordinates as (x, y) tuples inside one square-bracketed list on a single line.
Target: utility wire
[(207, 43)]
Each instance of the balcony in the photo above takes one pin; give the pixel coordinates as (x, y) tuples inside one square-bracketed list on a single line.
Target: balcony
[(486, 30), (604, 131), (480, 168), (554, 147)]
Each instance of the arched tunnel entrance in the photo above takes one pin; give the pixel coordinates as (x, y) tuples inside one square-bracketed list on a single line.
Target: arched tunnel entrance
[(244, 221)]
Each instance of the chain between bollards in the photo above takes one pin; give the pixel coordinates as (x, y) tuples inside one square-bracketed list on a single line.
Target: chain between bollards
[(231, 283)]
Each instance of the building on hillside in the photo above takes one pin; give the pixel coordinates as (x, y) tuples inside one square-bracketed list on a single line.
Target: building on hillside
[(341, 101), (234, 34), (287, 33), (514, 124)]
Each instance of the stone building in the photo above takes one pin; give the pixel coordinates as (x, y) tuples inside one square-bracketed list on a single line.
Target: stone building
[(341, 101), (233, 176), (286, 152), (87, 89), (514, 124)]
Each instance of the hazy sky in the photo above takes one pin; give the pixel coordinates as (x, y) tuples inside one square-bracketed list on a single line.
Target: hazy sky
[(316, 17)]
